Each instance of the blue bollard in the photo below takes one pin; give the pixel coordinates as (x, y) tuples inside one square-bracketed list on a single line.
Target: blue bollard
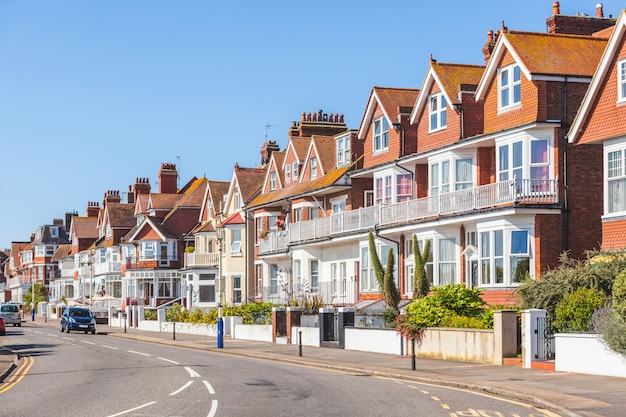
[(220, 333)]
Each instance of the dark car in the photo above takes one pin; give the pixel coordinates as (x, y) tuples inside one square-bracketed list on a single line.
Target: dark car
[(78, 318), (2, 327)]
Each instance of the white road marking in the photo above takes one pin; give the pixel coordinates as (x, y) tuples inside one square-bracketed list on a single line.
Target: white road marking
[(192, 373), (181, 388), (89, 343), (209, 387), (68, 338), (132, 409), (53, 335), (169, 360), (110, 347), (38, 332), (139, 353), (213, 409)]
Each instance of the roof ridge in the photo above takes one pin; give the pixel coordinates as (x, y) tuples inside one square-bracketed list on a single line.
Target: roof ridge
[(555, 35)]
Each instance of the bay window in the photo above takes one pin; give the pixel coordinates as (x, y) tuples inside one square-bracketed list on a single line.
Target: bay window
[(393, 187), (454, 173), (527, 158)]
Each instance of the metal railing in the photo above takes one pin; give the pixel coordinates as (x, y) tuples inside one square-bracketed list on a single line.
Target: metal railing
[(330, 293), (516, 191)]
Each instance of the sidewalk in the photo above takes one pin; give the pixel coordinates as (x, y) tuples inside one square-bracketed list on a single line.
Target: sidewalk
[(567, 394)]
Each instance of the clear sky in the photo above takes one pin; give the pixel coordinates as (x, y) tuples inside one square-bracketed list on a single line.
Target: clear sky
[(94, 94)]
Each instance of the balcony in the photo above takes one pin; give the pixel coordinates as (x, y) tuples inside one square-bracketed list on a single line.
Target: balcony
[(500, 194), (111, 267), (195, 259), (331, 293)]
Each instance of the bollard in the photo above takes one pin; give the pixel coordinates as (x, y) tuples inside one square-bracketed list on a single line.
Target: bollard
[(174, 331), (300, 343), (413, 353), (124, 322), (45, 316)]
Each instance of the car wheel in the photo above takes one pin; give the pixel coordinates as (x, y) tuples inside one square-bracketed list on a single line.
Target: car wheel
[(62, 328), (86, 331), (19, 325), (67, 328), (93, 331)]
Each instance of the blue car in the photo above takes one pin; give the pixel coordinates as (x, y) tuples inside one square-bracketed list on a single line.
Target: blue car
[(78, 318)]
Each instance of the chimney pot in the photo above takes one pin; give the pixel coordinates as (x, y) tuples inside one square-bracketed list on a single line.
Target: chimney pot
[(599, 11), (490, 36), (556, 8)]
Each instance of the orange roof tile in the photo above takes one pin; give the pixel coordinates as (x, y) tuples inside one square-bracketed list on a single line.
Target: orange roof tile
[(544, 53), (452, 76)]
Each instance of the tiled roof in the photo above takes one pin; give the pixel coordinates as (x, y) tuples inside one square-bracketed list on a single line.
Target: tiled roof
[(163, 201), (300, 147), (392, 100), (250, 181), (544, 53), (452, 76), (203, 227), (121, 215), (325, 148), (234, 218), (303, 188), (85, 227), (63, 251)]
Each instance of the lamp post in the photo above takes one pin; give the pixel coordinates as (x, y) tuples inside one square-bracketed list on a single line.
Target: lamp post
[(32, 310), (220, 321)]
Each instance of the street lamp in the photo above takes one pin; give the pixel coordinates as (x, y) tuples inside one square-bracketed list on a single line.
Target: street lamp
[(32, 310), (220, 321)]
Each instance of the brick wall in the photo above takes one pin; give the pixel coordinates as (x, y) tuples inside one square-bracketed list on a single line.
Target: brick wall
[(421, 181), (614, 234), (451, 134), (486, 165), (370, 160), (606, 118), (548, 242)]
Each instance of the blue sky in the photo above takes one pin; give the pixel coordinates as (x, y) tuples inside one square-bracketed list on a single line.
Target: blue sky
[(94, 94)]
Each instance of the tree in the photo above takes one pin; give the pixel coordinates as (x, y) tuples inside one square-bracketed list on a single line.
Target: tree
[(41, 294), (421, 284), (378, 267), (385, 278), (391, 295)]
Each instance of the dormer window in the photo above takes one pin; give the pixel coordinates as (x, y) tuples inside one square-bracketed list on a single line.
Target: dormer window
[(510, 87), (342, 146), (621, 81), (381, 135), (288, 173), (273, 181), (437, 112), (313, 168)]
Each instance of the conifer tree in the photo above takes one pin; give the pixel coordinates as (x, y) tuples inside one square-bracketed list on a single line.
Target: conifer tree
[(421, 285)]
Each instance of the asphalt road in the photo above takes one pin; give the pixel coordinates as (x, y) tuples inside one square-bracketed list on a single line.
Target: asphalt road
[(96, 375)]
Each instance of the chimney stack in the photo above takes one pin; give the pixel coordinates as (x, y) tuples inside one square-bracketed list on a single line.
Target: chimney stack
[(489, 45), (168, 179), (599, 11), (267, 149), (142, 186), (93, 208), (68, 218), (556, 8)]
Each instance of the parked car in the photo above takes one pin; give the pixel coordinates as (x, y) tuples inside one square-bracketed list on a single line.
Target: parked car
[(2, 327), (78, 318), (11, 314)]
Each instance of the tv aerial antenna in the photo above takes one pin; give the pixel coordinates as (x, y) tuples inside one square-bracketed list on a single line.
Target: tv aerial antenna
[(268, 126)]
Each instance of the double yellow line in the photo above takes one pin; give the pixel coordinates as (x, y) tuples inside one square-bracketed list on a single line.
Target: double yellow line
[(17, 375)]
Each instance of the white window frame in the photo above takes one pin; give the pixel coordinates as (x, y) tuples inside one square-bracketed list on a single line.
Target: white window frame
[(444, 173), (294, 171), (342, 150), (313, 167), (380, 135), (288, 173), (615, 178), (437, 115), (235, 245), (505, 170), (273, 181), (314, 275), (621, 81), (386, 187), (338, 204), (510, 89)]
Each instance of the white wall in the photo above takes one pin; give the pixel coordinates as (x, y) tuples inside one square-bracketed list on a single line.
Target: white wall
[(373, 340), (310, 336), (585, 354), (262, 333)]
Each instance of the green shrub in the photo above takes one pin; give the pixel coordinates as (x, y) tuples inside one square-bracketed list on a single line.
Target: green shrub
[(173, 313), (619, 294), (574, 311), (150, 315), (464, 322), (612, 327)]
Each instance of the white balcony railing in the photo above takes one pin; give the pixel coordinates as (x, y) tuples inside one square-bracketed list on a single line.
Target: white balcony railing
[(202, 259), (525, 192), (107, 267)]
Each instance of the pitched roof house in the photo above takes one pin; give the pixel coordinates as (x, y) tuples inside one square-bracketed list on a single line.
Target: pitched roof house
[(601, 120)]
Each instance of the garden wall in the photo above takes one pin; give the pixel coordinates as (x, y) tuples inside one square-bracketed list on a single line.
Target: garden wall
[(585, 353)]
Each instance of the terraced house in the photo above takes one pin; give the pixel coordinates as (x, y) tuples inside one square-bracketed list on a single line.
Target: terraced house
[(476, 161)]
